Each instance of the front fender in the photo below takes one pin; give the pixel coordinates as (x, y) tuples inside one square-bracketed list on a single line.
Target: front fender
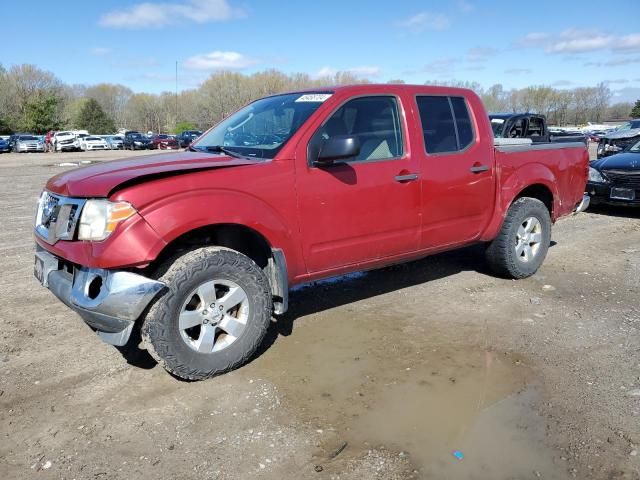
[(178, 214)]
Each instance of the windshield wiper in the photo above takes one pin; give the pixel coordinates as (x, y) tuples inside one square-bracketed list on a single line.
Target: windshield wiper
[(219, 149)]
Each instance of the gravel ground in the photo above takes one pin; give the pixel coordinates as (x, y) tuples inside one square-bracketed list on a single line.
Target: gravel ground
[(433, 369)]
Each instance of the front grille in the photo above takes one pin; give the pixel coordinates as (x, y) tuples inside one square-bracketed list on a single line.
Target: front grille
[(57, 217), (619, 178)]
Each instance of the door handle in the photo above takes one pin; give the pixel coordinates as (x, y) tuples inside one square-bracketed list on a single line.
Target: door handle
[(409, 177), (479, 168)]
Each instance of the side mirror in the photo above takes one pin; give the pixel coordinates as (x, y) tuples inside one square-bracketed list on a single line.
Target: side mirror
[(338, 148)]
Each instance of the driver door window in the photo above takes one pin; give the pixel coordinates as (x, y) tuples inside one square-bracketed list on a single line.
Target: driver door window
[(375, 121)]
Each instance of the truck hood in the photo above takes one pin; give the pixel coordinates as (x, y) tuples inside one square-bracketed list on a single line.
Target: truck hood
[(102, 179), (620, 161)]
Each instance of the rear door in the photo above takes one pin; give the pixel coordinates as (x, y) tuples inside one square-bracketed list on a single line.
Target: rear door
[(456, 172), (367, 207)]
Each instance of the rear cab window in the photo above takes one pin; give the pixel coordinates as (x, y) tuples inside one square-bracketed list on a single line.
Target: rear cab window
[(446, 123)]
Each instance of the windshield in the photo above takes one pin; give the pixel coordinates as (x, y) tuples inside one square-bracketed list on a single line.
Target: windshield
[(28, 137), (629, 125), (496, 126), (93, 138), (262, 128)]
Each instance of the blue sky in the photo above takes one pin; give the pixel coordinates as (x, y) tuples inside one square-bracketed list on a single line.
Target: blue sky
[(559, 43)]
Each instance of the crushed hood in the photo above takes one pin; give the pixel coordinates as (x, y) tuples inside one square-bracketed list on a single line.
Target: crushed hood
[(101, 179), (634, 132)]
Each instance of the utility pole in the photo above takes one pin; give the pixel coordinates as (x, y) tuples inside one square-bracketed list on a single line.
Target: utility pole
[(176, 94)]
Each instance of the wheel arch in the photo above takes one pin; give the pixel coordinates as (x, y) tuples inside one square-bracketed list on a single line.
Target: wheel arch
[(535, 181), (241, 238)]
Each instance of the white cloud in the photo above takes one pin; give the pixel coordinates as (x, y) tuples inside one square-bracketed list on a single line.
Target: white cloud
[(562, 83), (219, 60), (156, 15), (533, 39), (364, 71), (425, 21), (100, 51), (480, 54), (465, 7), (580, 44), (517, 71), (576, 41), (630, 42)]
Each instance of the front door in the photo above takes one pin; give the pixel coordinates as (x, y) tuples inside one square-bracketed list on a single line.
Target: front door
[(367, 207)]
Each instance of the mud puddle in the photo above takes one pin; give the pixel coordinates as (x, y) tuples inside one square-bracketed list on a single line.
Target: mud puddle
[(364, 381)]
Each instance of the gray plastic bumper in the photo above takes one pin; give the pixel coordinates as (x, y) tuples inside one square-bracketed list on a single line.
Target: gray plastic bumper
[(108, 301)]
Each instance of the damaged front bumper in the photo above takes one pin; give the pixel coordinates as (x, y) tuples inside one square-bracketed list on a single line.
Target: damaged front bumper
[(109, 301)]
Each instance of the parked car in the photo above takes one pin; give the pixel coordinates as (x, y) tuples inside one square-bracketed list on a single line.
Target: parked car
[(12, 140), (185, 138), (93, 143), (4, 146), (66, 141), (619, 139), (115, 142), (293, 188), (529, 125), (615, 179), (28, 143), (164, 142), (135, 141)]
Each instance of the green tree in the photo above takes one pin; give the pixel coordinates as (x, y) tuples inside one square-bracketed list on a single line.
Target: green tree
[(41, 114), (93, 118), (182, 126), (635, 111)]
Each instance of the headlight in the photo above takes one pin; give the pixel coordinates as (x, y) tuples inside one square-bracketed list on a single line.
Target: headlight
[(596, 176), (100, 217)]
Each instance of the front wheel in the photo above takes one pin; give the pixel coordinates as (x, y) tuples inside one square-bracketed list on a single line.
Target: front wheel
[(213, 315), (522, 244)]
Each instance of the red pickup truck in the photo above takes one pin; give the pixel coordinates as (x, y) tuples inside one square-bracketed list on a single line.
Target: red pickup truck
[(199, 248)]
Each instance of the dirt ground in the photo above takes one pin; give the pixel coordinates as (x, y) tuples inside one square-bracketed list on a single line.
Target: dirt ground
[(433, 369)]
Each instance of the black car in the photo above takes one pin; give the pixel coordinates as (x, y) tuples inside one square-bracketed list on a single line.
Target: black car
[(185, 138), (615, 180), (135, 141)]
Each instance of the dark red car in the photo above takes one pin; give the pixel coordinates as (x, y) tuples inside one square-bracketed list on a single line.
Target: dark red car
[(200, 247), (164, 142)]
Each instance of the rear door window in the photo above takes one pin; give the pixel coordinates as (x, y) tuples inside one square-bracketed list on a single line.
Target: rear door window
[(446, 124)]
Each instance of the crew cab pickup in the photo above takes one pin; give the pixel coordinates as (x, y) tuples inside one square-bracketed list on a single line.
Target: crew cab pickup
[(199, 248)]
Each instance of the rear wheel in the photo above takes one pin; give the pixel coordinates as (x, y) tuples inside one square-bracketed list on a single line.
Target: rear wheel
[(213, 315), (522, 244)]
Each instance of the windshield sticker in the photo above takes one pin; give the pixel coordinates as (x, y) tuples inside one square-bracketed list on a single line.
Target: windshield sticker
[(314, 97), (497, 120)]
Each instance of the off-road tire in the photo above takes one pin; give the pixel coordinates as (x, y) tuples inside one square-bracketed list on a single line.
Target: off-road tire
[(501, 255), (161, 335)]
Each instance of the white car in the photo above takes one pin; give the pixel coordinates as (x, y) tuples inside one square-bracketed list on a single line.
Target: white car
[(93, 143), (65, 141)]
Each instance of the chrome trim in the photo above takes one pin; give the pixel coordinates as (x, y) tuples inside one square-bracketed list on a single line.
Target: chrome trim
[(121, 297), (57, 217), (583, 205), (539, 146)]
